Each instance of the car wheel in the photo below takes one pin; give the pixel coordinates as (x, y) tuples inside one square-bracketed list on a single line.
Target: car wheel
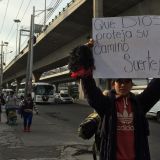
[(158, 116)]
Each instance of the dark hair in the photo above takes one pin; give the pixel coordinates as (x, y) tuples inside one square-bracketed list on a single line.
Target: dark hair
[(11, 92), (81, 56), (22, 97), (121, 80), (29, 95), (88, 37)]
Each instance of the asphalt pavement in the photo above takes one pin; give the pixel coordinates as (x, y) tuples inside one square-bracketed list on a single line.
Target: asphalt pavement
[(54, 136)]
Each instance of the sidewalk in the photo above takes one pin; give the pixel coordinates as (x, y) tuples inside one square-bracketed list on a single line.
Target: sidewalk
[(3, 116), (80, 101), (43, 142)]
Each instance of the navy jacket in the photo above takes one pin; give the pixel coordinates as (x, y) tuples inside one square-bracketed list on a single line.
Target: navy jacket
[(105, 106)]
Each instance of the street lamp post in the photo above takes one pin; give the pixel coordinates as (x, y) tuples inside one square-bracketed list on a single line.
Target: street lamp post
[(21, 34), (1, 71), (45, 10), (16, 21), (28, 85), (4, 57)]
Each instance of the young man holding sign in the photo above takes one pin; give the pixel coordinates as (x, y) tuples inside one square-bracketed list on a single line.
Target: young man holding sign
[(125, 129)]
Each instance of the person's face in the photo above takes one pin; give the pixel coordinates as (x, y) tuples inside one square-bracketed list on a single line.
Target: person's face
[(122, 86)]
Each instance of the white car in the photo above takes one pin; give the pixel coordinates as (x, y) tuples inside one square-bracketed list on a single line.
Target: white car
[(21, 92), (154, 112), (63, 98)]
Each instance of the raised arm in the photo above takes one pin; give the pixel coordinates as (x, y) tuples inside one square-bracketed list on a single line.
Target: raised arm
[(81, 65), (94, 95), (150, 95)]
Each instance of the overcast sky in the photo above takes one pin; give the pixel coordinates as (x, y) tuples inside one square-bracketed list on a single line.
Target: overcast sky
[(22, 10)]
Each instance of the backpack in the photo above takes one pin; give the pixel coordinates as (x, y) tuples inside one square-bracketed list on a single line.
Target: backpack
[(11, 100), (89, 126)]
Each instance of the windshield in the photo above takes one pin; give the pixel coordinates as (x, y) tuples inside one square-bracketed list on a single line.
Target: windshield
[(64, 95), (44, 90)]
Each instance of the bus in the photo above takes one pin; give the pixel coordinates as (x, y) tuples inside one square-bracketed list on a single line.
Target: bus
[(21, 92), (43, 92), (7, 91), (138, 89)]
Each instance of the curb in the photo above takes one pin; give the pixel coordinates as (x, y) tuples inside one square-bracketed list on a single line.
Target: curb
[(79, 101)]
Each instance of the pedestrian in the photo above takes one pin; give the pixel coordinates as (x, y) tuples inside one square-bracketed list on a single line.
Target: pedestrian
[(21, 102), (2, 102), (11, 99), (125, 129), (27, 112), (11, 102)]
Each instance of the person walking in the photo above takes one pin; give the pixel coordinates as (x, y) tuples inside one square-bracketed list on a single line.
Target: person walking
[(11, 103), (2, 102), (125, 129), (27, 112)]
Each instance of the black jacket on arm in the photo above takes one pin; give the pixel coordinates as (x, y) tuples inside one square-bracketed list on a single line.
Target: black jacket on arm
[(105, 107)]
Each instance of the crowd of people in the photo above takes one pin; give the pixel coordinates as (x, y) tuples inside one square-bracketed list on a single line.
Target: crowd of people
[(13, 106)]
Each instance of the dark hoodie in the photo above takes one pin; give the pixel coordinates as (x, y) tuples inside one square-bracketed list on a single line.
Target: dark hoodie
[(106, 108), (28, 105)]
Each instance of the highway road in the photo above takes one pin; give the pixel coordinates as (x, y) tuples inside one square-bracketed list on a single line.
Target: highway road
[(54, 136)]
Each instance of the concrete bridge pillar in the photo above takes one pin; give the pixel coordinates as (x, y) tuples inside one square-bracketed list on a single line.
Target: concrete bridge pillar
[(4, 85), (97, 12), (8, 85), (36, 76), (81, 93), (18, 80), (97, 8), (57, 84)]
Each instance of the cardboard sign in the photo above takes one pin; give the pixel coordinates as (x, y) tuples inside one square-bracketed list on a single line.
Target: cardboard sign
[(127, 47)]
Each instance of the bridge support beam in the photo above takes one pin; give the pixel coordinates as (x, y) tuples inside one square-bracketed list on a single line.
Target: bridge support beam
[(97, 12), (57, 84), (36, 76), (18, 80), (4, 85), (8, 85), (97, 8), (81, 93)]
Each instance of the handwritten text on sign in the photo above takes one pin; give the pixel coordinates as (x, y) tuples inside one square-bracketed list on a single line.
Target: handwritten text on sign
[(127, 47)]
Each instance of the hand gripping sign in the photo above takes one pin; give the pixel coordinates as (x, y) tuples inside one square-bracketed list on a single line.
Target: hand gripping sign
[(127, 47)]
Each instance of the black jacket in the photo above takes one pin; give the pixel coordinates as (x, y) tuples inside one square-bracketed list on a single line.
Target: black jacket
[(105, 106), (27, 104), (2, 102)]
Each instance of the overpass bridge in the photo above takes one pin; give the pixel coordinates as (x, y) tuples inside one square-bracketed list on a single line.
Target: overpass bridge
[(66, 31)]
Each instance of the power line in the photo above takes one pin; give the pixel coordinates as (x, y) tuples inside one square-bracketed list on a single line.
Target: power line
[(20, 20), (4, 16), (25, 11), (54, 7), (15, 18), (11, 35), (19, 9)]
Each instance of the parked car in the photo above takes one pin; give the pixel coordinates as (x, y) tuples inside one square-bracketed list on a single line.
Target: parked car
[(20, 92), (63, 98), (154, 112)]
